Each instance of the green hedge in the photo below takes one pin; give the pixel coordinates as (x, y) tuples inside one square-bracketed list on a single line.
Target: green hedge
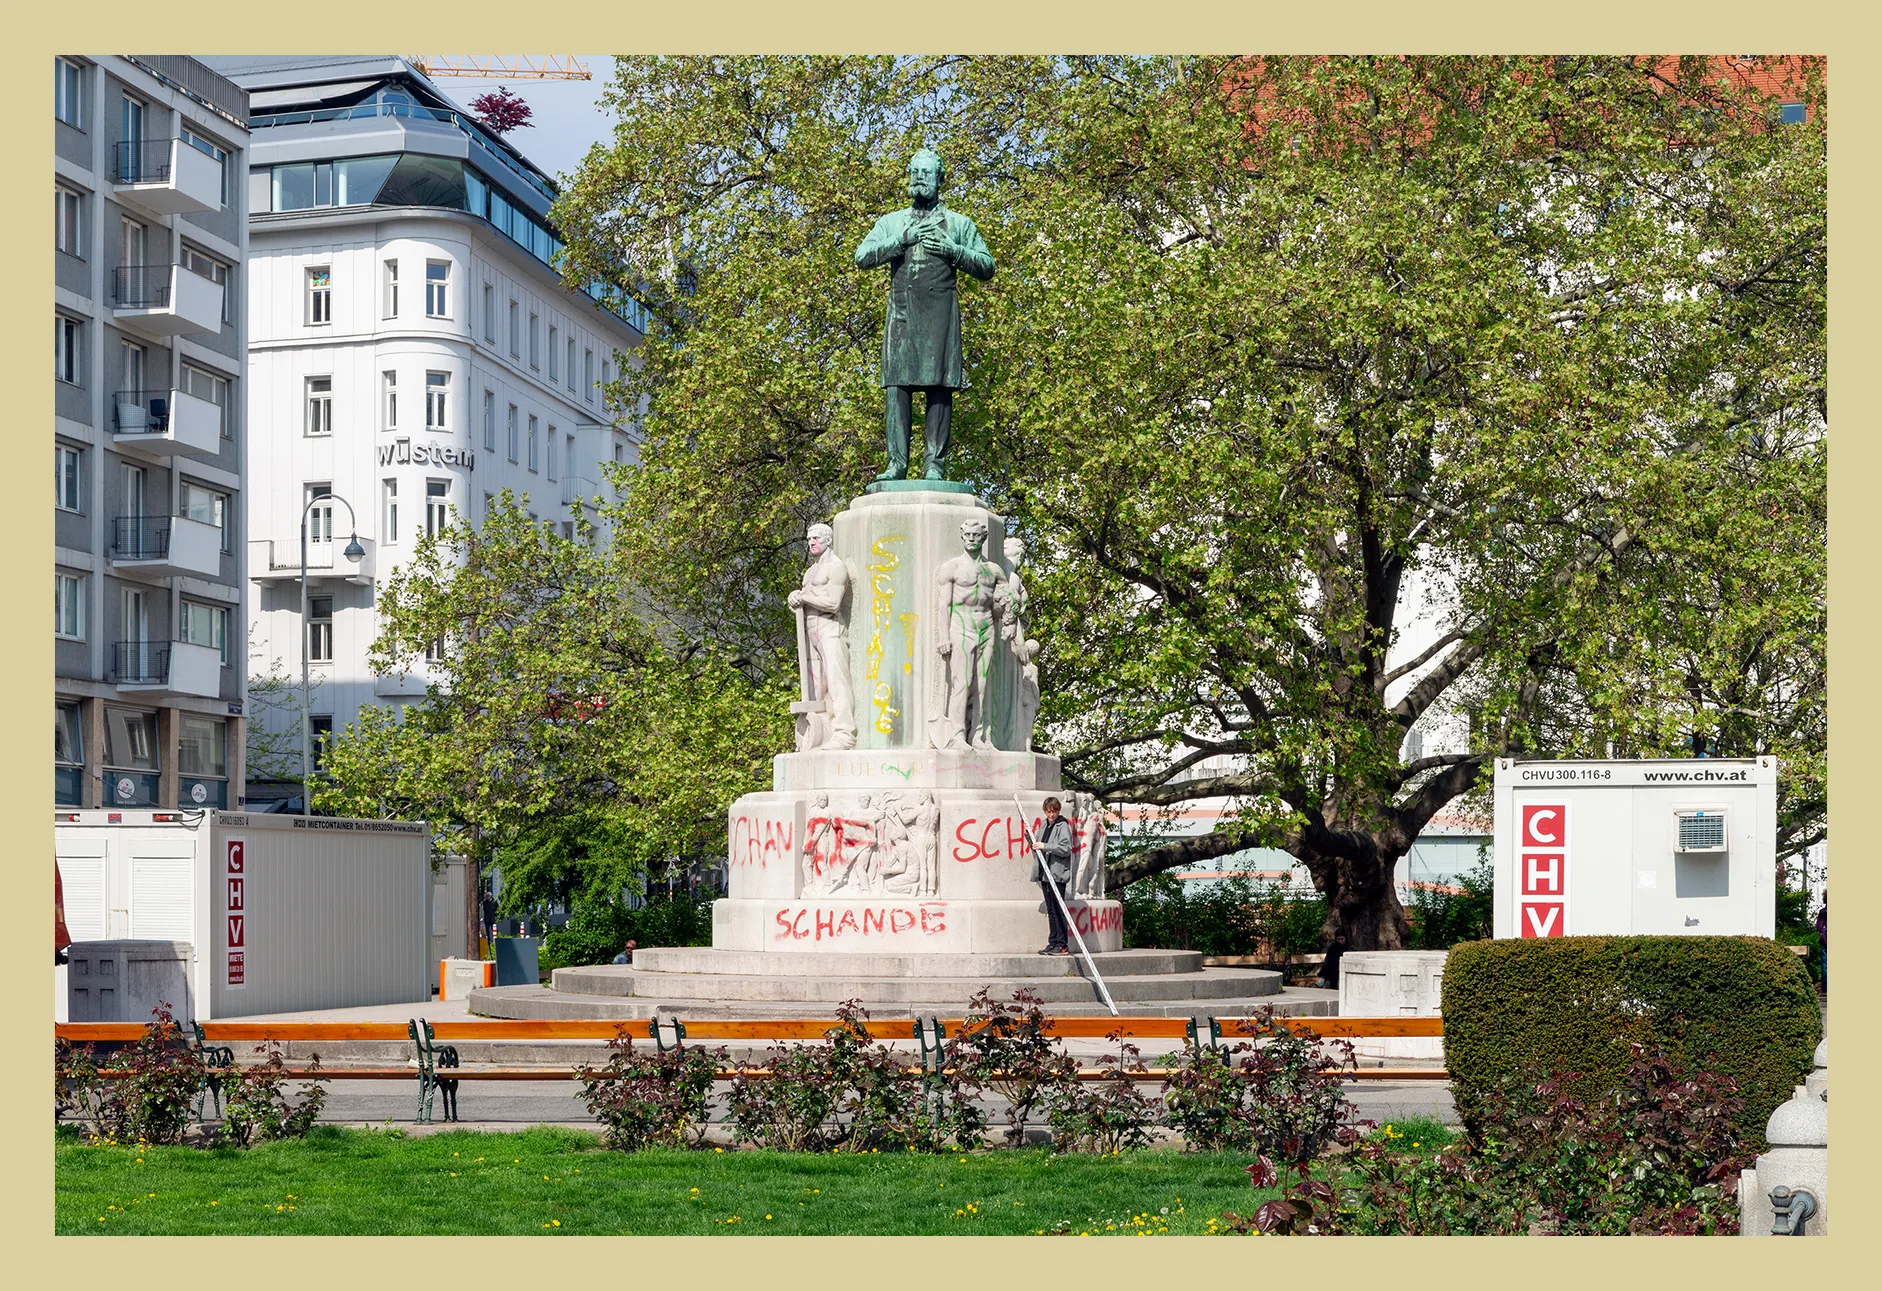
[(1742, 1006)]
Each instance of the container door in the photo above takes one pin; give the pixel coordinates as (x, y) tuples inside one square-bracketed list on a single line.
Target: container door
[(160, 893)]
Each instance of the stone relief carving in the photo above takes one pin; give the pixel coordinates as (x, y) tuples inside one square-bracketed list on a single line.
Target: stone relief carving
[(826, 708), (970, 603), (1088, 867), (887, 845), (1025, 650)]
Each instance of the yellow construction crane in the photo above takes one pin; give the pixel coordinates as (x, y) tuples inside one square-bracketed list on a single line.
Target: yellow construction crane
[(550, 67)]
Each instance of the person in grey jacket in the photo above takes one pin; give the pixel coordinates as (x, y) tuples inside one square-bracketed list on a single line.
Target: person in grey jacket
[(1052, 864)]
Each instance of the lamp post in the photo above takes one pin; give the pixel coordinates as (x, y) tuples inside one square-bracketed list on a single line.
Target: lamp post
[(355, 553)]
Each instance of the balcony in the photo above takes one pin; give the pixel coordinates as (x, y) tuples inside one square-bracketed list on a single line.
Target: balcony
[(166, 422), (165, 546), (166, 176), (166, 668), (271, 561), (579, 488), (166, 299)]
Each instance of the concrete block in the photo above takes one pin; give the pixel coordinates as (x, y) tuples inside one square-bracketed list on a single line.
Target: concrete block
[(1393, 983), (736, 925), (458, 977), (123, 981)]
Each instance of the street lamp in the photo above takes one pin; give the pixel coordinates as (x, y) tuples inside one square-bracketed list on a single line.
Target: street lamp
[(355, 553)]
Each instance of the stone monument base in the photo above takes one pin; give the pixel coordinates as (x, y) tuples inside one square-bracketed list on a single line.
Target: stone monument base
[(908, 925), (710, 981)]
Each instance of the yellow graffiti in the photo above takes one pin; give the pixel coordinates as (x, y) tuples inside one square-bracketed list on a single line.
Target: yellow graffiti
[(881, 598), (908, 639)]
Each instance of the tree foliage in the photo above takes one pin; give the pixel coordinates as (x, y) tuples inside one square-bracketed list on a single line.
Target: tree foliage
[(503, 110), (1280, 354), (565, 728)]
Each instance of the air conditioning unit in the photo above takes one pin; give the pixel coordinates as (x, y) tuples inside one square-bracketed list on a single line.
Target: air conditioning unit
[(1701, 831)]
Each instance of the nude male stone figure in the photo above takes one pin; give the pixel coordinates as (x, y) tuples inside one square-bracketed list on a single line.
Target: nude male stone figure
[(826, 587), (969, 606)]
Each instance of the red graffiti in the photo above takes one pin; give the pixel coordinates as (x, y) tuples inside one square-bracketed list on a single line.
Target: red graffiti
[(761, 842), (830, 839), (974, 838), (1092, 919), (819, 923)]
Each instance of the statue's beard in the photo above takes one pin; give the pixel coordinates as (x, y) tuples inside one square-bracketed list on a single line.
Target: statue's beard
[(924, 201)]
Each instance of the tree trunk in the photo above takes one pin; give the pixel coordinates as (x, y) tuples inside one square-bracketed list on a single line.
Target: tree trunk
[(1362, 902)]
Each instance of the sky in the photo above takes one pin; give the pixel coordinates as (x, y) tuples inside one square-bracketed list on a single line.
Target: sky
[(567, 121)]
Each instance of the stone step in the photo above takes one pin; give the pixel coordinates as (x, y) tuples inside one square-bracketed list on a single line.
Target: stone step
[(525, 1002), (1203, 984), (613, 979)]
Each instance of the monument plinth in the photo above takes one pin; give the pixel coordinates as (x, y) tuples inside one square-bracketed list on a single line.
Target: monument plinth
[(908, 838)]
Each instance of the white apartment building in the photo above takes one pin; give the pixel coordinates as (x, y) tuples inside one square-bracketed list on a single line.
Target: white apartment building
[(150, 233), (412, 353)]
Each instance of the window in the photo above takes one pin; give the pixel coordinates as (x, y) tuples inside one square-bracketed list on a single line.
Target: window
[(437, 289), (490, 315), (552, 448), (620, 452), (206, 506), (320, 405), (206, 625), (68, 221), (490, 422), (133, 246), (532, 443), (588, 375), (490, 506), (552, 352), (201, 752), (535, 349), (568, 529), (1793, 114), (207, 385), (131, 364), (319, 733), (68, 348), (207, 266), (319, 518), (68, 93), (319, 296), (68, 755), (436, 384), (130, 740), (509, 433), (516, 332), (434, 650), (392, 288), (68, 606), (68, 478), (320, 629), (389, 383), (132, 140), (568, 373), (209, 149), (437, 506), (389, 489)]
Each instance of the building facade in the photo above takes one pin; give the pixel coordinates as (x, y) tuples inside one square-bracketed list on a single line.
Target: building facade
[(149, 339), (412, 355)]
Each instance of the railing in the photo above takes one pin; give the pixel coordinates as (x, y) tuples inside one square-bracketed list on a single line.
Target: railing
[(141, 412), (141, 286), (140, 537), (140, 662), (140, 161), (415, 111)]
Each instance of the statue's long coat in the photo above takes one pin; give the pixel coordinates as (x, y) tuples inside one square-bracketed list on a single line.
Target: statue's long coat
[(921, 343)]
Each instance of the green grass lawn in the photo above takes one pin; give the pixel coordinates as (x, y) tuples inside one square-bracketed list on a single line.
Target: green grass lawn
[(562, 1181)]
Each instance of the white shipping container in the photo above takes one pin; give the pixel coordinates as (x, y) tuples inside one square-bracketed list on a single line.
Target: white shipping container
[(1654, 846), (284, 913)]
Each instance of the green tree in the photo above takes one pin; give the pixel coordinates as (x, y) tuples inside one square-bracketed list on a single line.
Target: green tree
[(565, 729), (1280, 354)]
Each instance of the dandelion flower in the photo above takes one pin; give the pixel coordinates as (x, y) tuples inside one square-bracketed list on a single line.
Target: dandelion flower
[(556, 1222)]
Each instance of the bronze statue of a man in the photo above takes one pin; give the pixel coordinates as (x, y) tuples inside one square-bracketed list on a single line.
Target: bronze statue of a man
[(925, 247)]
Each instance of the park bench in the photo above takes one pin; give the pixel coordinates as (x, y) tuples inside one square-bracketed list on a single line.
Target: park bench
[(432, 1059)]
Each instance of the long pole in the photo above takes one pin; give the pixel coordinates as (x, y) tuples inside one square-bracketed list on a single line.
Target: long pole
[(307, 699), (1065, 910)]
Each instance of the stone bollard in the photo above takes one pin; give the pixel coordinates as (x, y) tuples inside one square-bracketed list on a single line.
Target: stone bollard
[(1788, 1191)]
